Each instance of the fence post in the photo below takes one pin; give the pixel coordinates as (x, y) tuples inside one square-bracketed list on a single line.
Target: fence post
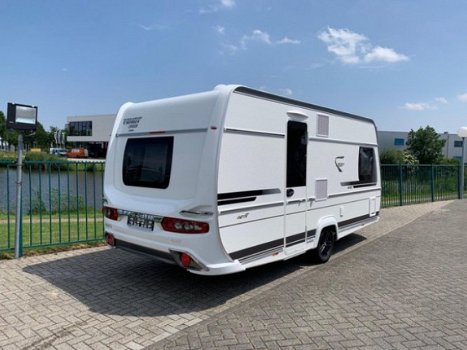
[(400, 185), (432, 183)]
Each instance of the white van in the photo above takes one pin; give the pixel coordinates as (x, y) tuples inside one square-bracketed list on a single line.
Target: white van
[(221, 181), (58, 151)]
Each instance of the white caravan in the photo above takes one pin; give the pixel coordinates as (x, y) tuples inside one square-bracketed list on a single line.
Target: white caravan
[(221, 181)]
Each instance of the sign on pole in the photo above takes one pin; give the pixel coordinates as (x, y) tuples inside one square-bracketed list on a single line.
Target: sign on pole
[(20, 117)]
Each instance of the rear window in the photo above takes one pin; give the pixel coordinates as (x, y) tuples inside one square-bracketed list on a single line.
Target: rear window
[(147, 162)]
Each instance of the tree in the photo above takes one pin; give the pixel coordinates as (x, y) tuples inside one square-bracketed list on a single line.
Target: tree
[(8, 136), (425, 145), (392, 156), (396, 156), (39, 138)]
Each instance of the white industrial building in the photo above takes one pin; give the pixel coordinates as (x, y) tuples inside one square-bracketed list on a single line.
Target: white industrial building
[(398, 140), (91, 131)]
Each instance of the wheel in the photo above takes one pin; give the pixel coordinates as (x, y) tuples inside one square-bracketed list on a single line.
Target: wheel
[(323, 251)]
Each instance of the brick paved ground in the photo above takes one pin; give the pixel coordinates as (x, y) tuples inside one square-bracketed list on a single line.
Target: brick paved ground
[(407, 290), (379, 295)]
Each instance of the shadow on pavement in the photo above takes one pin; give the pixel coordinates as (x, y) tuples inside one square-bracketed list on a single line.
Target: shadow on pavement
[(120, 283)]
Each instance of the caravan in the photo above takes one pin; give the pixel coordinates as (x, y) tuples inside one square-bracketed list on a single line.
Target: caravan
[(225, 180)]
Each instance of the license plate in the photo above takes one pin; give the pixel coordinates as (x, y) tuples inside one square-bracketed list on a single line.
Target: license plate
[(141, 220)]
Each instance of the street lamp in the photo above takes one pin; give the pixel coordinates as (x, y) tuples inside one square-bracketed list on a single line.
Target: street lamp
[(462, 132), (21, 118)]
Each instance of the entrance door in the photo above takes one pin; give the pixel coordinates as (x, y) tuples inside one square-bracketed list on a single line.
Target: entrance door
[(296, 198)]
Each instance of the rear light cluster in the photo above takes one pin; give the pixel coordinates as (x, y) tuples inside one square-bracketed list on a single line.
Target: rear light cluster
[(168, 224), (110, 213), (184, 226)]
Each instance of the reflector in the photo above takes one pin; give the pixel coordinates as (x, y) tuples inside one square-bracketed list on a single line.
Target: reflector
[(185, 259)]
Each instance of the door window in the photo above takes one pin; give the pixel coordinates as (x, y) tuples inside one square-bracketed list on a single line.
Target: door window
[(297, 140)]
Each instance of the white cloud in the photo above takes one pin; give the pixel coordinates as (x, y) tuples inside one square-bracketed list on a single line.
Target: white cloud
[(219, 29), (256, 35), (223, 4), (264, 37), (344, 43), (383, 54), (152, 27), (423, 106), (354, 48), (228, 3), (286, 92), (441, 100), (228, 49), (462, 97), (418, 106), (286, 40)]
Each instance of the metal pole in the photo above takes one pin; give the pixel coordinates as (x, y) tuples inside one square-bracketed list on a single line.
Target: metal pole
[(461, 180), (19, 173)]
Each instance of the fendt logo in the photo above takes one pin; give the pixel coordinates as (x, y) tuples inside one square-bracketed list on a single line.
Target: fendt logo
[(339, 161), (132, 123)]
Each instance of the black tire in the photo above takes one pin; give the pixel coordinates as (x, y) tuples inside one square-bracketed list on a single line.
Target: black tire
[(323, 251)]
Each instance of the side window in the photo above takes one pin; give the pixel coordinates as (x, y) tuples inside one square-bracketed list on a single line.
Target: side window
[(366, 166), (297, 141)]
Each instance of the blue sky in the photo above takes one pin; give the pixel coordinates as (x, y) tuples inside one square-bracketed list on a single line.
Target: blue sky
[(402, 63)]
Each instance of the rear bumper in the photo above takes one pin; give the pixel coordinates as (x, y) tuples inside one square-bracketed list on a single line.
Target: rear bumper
[(172, 256), (134, 248)]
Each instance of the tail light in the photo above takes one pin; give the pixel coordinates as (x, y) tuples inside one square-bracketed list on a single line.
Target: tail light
[(184, 226), (110, 213)]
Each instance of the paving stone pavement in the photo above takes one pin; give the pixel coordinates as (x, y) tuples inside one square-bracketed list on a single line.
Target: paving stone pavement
[(406, 290), (412, 294)]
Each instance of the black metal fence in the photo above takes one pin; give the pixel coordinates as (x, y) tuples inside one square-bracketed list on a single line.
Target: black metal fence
[(62, 201), (410, 184)]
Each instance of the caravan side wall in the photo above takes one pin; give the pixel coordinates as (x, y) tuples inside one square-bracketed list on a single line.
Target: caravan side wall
[(256, 218)]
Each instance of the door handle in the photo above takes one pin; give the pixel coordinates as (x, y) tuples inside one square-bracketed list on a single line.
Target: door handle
[(296, 201), (290, 192)]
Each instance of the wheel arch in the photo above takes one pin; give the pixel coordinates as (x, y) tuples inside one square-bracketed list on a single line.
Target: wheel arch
[(325, 223)]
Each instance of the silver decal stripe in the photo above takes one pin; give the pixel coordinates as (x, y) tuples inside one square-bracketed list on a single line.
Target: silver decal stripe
[(251, 207), (342, 194), (253, 132), (163, 132)]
